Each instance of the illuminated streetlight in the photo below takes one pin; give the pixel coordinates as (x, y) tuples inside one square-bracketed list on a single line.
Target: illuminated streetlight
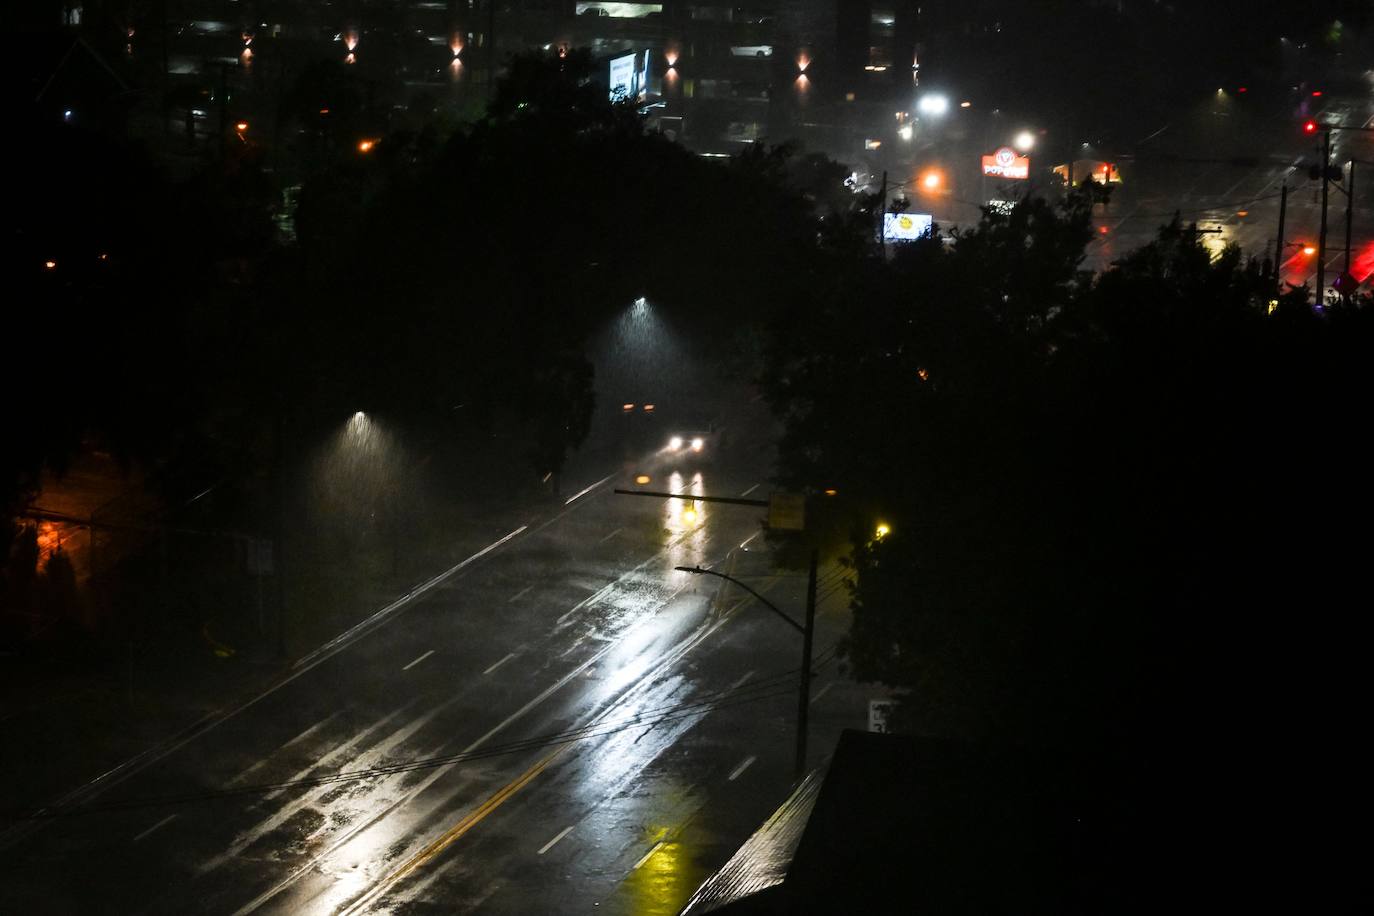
[(642, 479), (932, 180), (881, 531), (366, 146), (904, 131), (1024, 141), (933, 105)]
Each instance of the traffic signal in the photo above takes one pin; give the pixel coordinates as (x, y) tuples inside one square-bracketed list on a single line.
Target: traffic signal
[(1309, 127)]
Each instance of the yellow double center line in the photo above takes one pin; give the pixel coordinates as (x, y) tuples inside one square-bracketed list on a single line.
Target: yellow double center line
[(475, 817), (472, 819)]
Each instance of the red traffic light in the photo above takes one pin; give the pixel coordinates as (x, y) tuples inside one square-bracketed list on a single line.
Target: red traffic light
[(1309, 127)]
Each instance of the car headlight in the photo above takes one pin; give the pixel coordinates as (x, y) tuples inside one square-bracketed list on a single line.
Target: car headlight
[(675, 442), (697, 444)]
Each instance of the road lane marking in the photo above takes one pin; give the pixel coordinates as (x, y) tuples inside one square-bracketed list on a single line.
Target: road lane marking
[(648, 855), (418, 660), (454, 833), (740, 683), (509, 656), (611, 535), (750, 490), (823, 691), (518, 595), (585, 491), (166, 820), (742, 767), (288, 745), (550, 844), (210, 721), (669, 658)]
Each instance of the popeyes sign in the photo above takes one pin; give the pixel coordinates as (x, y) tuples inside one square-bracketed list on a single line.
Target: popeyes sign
[(1006, 164)]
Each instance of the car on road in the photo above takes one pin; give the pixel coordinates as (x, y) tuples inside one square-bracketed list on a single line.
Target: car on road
[(694, 440)]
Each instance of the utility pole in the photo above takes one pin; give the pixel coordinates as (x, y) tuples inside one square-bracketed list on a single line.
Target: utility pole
[(804, 694), (882, 217), (1349, 209), (1278, 249), (1321, 240)]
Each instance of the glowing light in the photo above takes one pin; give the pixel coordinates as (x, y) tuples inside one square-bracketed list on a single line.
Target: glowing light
[(671, 57), (50, 265), (803, 61), (1102, 230), (965, 104), (881, 531), (627, 407), (1273, 306), (1316, 93), (350, 59), (241, 126), (675, 443), (904, 131), (1309, 250), (642, 479), (1024, 141), (932, 180), (831, 491), (698, 444), (649, 408), (350, 39), (933, 105), (1242, 213), (1309, 127), (324, 111), (689, 512), (455, 45), (923, 374), (366, 146)]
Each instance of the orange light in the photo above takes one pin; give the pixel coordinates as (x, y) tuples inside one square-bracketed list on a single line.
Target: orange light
[(923, 374), (1102, 229), (241, 126), (932, 180), (649, 408), (50, 265), (1309, 250), (642, 479), (365, 146), (627, 407), (831, 491), (1242, 213), (324, 111)]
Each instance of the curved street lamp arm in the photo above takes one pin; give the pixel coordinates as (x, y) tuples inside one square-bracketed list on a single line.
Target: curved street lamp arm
[(697, 570)]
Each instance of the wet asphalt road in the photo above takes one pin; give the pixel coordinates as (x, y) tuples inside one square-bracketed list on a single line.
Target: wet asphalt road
[(565, 724)]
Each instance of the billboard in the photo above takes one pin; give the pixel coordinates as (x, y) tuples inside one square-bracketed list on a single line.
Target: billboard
[(905, 227), (629, 76), (1006, 164)]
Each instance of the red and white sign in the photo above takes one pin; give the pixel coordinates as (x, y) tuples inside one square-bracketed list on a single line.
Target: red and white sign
[(1006, 164)]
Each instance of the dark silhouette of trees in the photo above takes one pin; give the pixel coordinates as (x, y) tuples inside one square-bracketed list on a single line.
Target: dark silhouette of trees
[(1119, 506)]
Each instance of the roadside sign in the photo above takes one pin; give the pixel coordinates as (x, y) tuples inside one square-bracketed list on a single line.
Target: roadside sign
[(787, 512), (1006, 164), (878, 712)]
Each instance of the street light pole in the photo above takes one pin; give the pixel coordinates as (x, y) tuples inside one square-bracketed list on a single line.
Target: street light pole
[(804, 692), (1321, 240), (807, 631)]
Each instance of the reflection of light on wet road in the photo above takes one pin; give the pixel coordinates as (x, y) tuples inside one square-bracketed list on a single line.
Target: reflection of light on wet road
[(663, 879), (687, 538)]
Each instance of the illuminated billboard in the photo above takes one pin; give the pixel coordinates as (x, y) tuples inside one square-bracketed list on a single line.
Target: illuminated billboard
[(905, 227), (628, 77), (1005, 163)]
